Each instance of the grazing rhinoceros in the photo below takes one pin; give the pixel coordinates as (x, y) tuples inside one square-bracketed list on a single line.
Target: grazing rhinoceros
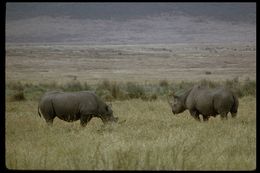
[(206, 101), (72, 106)]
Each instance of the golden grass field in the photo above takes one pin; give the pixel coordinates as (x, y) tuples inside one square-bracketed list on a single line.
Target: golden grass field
[(151, 138)]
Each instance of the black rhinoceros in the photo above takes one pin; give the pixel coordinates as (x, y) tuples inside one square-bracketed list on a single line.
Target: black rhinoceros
[(206, 101), (72, 106)]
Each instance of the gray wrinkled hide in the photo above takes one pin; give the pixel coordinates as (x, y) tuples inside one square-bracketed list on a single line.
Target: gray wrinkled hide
[(206, 101), (73, 106)]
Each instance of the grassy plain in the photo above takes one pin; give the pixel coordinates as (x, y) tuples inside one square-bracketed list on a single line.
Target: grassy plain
[(151, 138)]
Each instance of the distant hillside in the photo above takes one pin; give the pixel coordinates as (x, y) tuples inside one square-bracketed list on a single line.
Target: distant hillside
[(130, 23), (240, 12)]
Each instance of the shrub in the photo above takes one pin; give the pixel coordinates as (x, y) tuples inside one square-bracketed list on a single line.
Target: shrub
[(105, 85), (234, 86), (184, 85), (208, 83), (153, 97), (249, 88), (208, 72), (115, 90), (134, 90), (233, 83), (18, 96), (73, 86), (51, 85), (163, 83), (120, 91), (86, 86), (16, 86), (104, 94), (34, 92)]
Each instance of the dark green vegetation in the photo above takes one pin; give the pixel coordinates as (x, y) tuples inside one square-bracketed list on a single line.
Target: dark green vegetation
[(111, 90)]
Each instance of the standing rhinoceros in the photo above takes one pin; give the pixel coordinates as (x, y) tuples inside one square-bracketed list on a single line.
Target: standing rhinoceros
[(72, 106), (206, 101)]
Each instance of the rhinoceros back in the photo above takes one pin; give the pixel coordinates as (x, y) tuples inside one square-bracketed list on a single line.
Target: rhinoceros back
[(70, 105), (211, 101)]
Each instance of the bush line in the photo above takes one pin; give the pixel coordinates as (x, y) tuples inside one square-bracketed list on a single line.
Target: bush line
[(111, 90)]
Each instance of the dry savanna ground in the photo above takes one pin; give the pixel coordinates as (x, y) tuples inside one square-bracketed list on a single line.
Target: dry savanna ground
[(150, 137), (60, 63)]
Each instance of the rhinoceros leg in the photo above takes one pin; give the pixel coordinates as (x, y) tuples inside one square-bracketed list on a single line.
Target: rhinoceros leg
[(49, 117), (49, 121), (84, 119), (195, 114), (233, 114), (223, 116), (205, 117)]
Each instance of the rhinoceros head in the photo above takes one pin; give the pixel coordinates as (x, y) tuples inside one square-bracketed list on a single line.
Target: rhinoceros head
[(176, 104), (107, 115)]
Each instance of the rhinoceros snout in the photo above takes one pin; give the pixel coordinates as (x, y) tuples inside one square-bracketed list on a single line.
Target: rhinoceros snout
[(110, 120)]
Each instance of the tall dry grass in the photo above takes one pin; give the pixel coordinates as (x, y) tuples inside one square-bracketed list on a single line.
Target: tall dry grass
[(151, 138)]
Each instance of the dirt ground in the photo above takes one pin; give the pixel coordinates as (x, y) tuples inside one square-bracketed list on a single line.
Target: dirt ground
[(139, 63)]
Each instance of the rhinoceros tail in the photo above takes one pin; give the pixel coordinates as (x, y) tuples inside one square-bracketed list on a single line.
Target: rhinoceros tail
[(39, 111), (235, 105)]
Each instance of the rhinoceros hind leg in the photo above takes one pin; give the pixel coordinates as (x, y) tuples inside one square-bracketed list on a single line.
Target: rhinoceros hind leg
[(49, 122), (223, 116), (205, 117), (233, 114)]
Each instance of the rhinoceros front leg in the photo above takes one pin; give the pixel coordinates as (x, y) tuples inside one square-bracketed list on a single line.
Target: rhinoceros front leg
[(49, 122), (233, 114), (205, 117), (195, 114), (84, 119)]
